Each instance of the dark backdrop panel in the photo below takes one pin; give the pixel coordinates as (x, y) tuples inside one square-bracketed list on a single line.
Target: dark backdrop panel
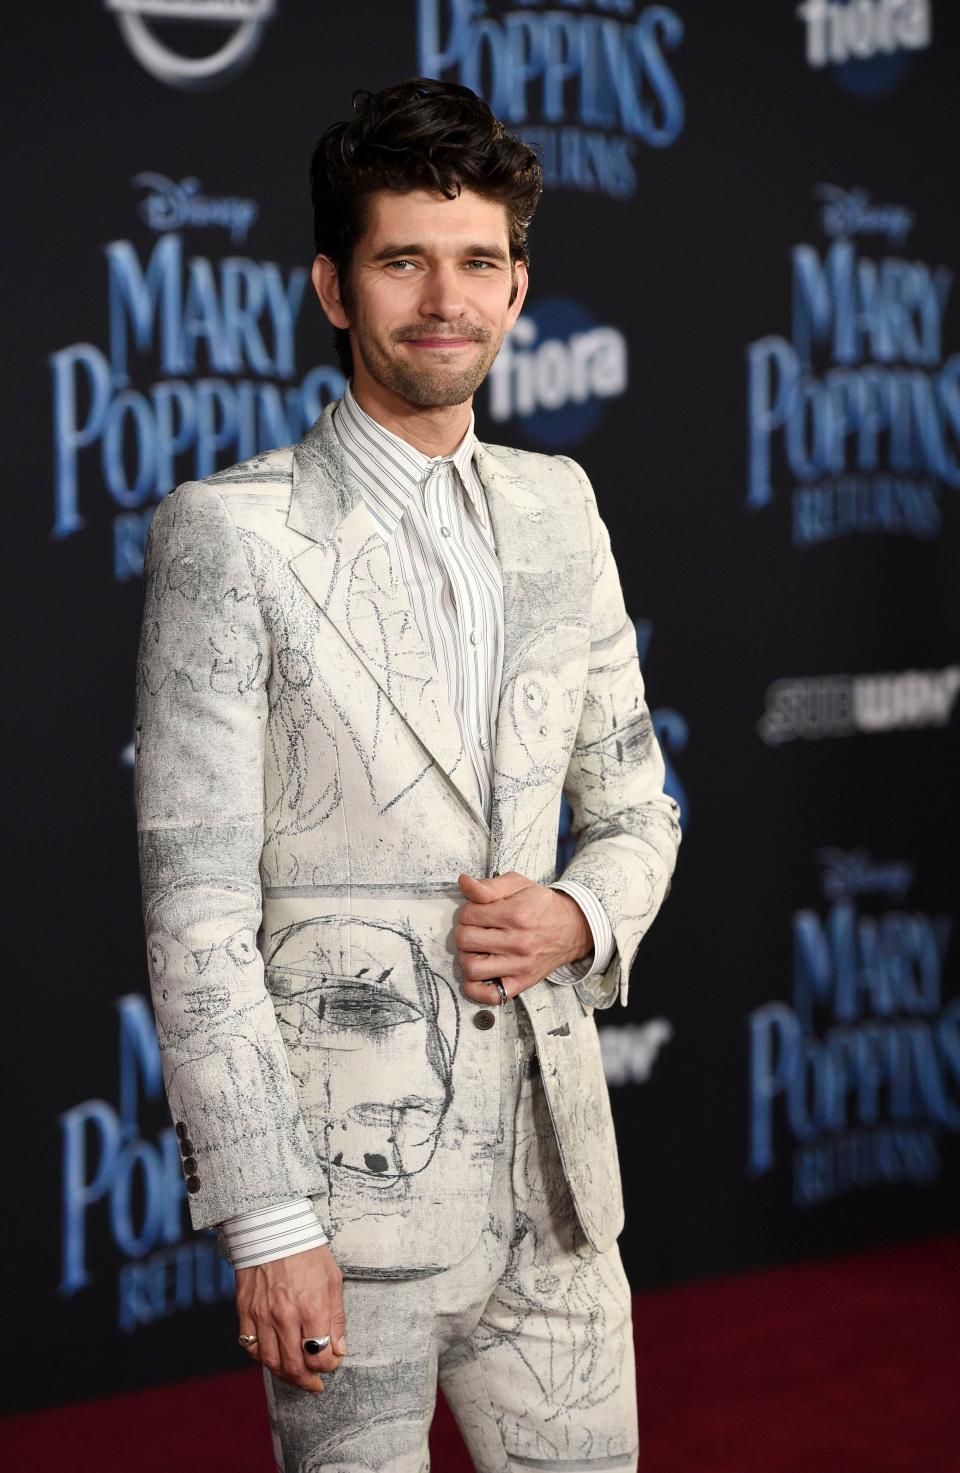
[(743, 322)]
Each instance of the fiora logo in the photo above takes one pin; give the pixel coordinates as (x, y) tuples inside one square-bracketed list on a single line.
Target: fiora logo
[(244, 22), (555, 370), (865, 41)]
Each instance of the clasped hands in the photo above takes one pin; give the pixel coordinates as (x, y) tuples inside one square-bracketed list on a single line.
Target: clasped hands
[(517, 930), (510, 927)]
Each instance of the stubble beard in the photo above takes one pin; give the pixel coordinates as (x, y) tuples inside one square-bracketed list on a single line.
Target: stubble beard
[(426, 387)]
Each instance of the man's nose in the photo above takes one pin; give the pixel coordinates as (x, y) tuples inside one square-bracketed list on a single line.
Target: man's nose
[(443, 294)]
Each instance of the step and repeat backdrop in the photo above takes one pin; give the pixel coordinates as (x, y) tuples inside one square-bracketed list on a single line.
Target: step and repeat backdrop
[(743, 321)]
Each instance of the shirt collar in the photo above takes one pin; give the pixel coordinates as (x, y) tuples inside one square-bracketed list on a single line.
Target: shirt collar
[(398, 467)]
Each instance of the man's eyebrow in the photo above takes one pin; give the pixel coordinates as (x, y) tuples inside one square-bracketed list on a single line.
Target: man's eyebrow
[(491, 251), (495, 252)]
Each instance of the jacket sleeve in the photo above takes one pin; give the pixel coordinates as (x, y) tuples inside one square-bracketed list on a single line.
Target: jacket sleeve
[(626, 829), (201, 712)]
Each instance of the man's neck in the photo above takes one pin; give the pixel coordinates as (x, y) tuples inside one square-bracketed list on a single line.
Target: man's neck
[(432, 429)]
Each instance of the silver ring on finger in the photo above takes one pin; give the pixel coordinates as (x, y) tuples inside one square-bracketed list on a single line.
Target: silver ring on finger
[(247, 1341), (315, 1343), (504, 998)]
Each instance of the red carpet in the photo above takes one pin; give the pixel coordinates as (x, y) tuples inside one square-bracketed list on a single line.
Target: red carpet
[(846, 1366)]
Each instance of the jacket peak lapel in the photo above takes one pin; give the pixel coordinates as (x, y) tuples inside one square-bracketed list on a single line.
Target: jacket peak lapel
[(348, 571)]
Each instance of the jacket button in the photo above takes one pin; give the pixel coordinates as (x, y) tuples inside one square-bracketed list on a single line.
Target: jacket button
[(181, 1129), (484, 1019), (193, 1183), (186, 1147), (190, 1165)]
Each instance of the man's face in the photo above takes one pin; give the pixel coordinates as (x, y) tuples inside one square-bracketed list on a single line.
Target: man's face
[(429, 294)]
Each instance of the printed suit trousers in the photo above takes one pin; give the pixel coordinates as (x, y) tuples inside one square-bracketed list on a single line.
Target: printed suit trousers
[(530, 1335)]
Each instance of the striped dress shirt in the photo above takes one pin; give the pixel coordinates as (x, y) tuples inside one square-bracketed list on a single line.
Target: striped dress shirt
[(432, 513)]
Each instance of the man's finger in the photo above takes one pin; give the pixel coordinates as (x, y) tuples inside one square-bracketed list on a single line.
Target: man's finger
[(479, 968), (475, 889), (330, 1356), (294, 1365), (267, 1349), (291, 1353), (326, 1359), (486, 993), (314, 1358), (496, 887), (479, 938), (338, 1325), (496, 915), (485, 916)]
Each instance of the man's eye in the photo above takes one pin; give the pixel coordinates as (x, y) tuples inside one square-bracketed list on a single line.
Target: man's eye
[(487, 264), (399, 263)]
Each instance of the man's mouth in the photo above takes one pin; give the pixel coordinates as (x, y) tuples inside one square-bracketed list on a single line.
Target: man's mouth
[(438, 342)]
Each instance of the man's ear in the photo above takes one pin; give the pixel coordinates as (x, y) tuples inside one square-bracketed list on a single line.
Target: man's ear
[(523, 281), (326, 284)]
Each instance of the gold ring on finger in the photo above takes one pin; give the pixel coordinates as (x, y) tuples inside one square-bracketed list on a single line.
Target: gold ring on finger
[(247, 1340)]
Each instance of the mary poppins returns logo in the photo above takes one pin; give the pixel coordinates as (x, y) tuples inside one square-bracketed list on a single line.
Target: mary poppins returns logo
[(123, 1200), (198, 370), (584, 82), (856, 1080), (855, 417)]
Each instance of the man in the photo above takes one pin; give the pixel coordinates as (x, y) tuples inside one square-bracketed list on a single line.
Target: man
[(370, 663)]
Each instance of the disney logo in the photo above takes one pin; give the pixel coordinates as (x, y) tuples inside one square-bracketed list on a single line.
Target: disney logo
[(857, 874), (172, 206), (851, 212)]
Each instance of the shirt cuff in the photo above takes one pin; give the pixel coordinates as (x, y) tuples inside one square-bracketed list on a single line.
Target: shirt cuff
[(600, 930), (272, 1232)]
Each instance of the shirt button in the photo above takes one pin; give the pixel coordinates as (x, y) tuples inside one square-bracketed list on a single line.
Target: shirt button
[(446, 531), (474, 637), (484, 1019)]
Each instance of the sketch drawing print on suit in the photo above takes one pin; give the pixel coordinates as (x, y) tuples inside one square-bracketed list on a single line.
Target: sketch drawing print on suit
[(311, 1025), (250, 576), (378, 1144), (355, 725)]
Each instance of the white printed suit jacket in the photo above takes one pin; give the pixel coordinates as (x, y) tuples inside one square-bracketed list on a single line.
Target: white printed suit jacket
[(304, 806)]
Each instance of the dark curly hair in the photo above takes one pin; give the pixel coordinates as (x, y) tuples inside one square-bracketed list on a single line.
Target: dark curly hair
[(417, 134)]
